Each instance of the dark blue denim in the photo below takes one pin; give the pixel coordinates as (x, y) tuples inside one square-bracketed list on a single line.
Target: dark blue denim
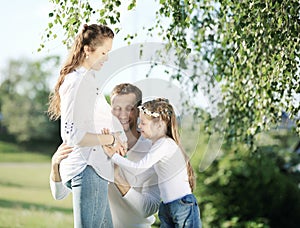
[(180, 213)]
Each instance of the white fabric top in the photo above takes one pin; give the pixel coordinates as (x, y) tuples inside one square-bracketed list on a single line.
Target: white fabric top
[(85, 110), (137, 207), (169, 163)]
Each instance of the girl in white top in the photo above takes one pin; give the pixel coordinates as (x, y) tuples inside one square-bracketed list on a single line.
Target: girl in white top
[(84, 112), (175, 174)]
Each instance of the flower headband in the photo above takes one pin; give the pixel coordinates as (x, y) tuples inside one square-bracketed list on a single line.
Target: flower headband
[(154, 114), (149, 113)]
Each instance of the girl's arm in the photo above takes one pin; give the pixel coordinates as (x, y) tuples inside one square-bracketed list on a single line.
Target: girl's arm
[(138, 167)]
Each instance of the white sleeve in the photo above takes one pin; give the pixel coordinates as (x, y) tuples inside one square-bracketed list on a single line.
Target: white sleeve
[(59, 190), (146, 203), (70, 132), (138, 167)]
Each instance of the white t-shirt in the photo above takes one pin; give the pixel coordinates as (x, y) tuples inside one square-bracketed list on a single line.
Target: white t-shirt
[(169, 163), (84, 109), (137, 207)]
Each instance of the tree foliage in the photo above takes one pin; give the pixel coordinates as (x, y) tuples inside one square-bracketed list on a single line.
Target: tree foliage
[(24, 97), (244, 189), (250, 47)]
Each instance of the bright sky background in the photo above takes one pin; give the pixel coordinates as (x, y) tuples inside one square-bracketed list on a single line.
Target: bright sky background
[(23, 22)]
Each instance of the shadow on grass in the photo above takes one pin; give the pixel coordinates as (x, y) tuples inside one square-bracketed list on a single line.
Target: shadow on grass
[(32, 206)]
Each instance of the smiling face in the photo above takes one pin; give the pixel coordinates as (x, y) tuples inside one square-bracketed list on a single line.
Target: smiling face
[(124, 108), (96, 58)]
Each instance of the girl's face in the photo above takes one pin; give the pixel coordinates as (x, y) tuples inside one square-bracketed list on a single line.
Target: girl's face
[(150, 129), (146, 126), (96, 58)]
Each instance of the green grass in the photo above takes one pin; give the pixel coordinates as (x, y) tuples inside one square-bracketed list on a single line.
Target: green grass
[(25, 198), (10, 152)]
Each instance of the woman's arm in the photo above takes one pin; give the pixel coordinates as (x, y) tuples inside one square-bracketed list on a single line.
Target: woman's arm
[(90, 139)]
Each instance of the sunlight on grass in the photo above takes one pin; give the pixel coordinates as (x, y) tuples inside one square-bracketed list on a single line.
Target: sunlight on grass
[(20, 217), (26, 201)]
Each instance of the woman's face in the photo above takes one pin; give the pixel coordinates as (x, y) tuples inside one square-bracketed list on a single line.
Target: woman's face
[(97, 58)]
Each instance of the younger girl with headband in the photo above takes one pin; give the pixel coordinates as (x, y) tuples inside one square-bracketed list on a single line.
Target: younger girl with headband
[(175, 174)]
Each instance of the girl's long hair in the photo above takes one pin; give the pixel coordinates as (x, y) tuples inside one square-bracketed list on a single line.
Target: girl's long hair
[(167, 114), (92, 36)]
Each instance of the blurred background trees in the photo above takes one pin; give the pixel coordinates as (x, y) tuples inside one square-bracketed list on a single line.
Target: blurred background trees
[(23, 99)]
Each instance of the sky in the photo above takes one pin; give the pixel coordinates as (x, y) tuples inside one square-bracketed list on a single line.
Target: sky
[(23, 23)]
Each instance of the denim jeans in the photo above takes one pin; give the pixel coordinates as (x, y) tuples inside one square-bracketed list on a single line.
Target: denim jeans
[(180, 213), (90, 200)]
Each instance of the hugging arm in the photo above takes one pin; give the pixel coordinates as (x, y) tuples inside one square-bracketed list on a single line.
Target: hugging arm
[(144, 202), (58, 189)]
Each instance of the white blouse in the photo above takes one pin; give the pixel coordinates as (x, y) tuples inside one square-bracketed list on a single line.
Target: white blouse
[(84, 109), (169, 164)]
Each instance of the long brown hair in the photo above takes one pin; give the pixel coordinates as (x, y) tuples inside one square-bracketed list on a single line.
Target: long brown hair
[(92, 36), (167, 114)]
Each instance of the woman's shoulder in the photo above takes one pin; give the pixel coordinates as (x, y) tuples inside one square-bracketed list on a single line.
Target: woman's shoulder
[(72, 77)]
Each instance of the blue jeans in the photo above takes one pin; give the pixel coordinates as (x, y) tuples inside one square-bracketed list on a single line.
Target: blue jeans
[(90, 200), (180, 213)]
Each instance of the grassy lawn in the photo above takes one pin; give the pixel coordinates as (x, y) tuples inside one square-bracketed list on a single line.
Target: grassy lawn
[(25, 197), (10, 152)]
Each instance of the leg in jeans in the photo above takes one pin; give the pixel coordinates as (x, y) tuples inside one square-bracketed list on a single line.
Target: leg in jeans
[(183, 212), (164, 216), (107, 221), (90, 200)]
